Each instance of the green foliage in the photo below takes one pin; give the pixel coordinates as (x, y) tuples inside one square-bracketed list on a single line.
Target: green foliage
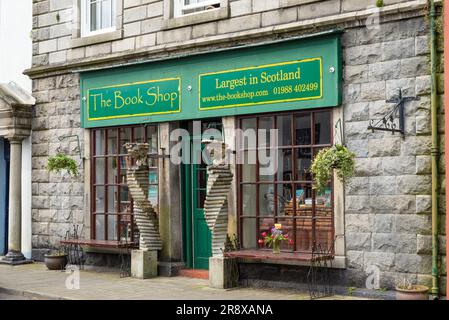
[(351, 290), (337, 158), (231, 244), (62, 162), (379, 3)]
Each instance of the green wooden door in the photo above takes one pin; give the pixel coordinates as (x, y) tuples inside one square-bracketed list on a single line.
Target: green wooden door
[(197, 236), (202, 248)]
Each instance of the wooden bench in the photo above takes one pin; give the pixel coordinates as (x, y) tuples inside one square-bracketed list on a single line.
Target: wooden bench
[(262, 255), (112, 244)]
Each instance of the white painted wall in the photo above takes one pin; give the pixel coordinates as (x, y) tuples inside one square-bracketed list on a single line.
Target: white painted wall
[(16, 23)]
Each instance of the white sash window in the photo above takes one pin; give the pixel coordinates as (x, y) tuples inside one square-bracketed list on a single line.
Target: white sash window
[(97, 16), (183, 7)]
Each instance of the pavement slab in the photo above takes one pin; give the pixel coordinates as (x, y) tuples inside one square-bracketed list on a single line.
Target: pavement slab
[(35, 281)]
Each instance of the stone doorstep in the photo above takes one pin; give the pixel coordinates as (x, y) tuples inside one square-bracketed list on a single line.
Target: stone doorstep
[(194, 273)]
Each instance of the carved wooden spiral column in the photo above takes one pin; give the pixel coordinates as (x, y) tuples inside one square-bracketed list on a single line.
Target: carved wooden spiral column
[(138, 184), (216, 203)]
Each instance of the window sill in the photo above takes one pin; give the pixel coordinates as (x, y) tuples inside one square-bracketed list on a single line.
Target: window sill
[(196, 18), (284, 258), (98, 38)]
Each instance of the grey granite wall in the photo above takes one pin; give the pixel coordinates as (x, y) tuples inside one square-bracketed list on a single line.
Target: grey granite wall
[(388, 203), (58, 199)]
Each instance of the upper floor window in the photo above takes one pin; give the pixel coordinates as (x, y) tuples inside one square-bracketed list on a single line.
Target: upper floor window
[(183, 7), (97, 16)]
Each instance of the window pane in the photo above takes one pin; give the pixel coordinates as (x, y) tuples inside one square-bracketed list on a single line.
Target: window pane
[(322, 128), (153, 178), (125, 227), (152, 138), (324, 198), (102, 14), (265, 125), (285, 165), (125, 137), (250, 236), (303, 195), (303, 163), (249, 123), (285, 199), (112, 199), (266, 200), (112, 227), (94, 16), (99, 142), (99, 170), (125, 200), (249, 200), (284, 125), (153, 196), (99, 227), (265, 225), (324, 232), (304, 238), (267, 164), (122, 162), (106, 14), (200, 178), (99, 199), (139, 135), (249, 135), (248, 166), (303, 129), (112, 170), (200, 198), (112, 141)]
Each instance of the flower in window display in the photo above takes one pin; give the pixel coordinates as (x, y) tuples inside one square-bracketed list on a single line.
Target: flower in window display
[(274, 238)]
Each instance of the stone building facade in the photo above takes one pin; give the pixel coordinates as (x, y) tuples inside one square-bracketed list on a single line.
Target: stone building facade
[(382, 217)]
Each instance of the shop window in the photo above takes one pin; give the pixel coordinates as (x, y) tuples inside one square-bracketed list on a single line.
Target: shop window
[(183, 7), (285, 196), (97, 16), (112, 204)]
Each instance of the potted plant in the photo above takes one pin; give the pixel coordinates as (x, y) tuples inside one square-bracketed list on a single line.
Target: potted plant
[(337, 158), (405, 290), (274, 238), (56, 261), (62, 162)]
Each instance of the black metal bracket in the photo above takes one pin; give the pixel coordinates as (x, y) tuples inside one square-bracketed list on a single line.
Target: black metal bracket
[(388, 122)]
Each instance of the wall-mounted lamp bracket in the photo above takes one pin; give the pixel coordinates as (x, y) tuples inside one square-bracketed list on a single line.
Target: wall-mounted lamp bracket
[(393, 121)]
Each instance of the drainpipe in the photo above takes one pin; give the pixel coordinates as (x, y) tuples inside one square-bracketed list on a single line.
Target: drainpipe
[(434, 150), (446, 129)]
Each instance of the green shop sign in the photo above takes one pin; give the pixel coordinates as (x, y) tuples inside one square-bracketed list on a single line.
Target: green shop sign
[(134, 99), (288, 75), (280, 82)]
